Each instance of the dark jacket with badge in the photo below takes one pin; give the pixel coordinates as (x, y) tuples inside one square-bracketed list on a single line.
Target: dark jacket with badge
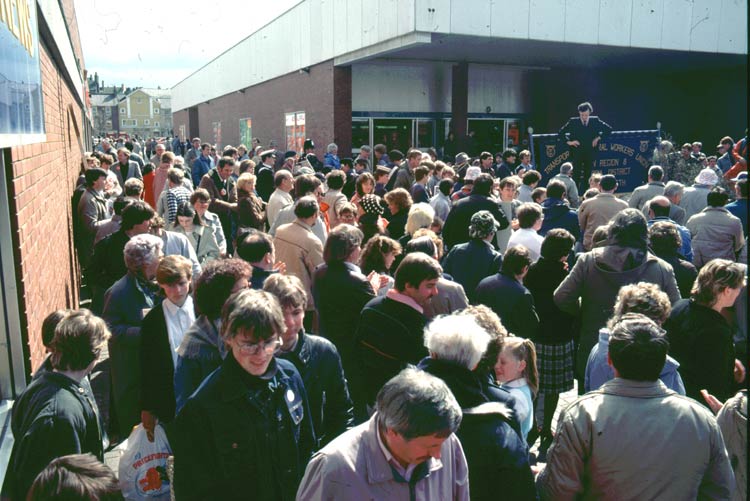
[(496, 454), (54, 417), (319, 364), (244, 437)]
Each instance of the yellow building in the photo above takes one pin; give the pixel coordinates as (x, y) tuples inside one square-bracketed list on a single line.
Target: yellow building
[(146, 113)]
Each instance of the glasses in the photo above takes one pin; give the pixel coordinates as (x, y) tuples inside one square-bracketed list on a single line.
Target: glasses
[(271, 345)]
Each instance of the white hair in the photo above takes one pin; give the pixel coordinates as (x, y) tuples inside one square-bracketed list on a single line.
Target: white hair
[(420, 216), (141, 251), (331, 148), (458, 339)]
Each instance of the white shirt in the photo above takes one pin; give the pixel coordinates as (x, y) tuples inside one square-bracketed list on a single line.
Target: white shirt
[(278, 200), (529, 239), (179, 319)]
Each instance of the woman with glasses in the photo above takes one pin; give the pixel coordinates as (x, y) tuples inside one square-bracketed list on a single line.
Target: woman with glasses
[(247, 431)]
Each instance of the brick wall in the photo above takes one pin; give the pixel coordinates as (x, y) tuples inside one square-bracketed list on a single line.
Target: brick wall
[(43, 178), (315, 93)]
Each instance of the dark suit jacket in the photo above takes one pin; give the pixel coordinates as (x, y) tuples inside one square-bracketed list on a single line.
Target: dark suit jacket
[(456, 229), (470, 262), (340, 294), (157, 368), (512, 302), (574, 130)]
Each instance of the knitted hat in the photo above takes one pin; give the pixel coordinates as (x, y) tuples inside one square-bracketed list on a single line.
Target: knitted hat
[(371, 205), (483, 224)]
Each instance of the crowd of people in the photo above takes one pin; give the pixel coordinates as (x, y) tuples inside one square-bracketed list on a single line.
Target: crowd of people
[(397, 326)]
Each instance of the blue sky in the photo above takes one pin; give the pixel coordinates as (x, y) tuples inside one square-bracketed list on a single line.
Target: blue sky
[(149, 43)]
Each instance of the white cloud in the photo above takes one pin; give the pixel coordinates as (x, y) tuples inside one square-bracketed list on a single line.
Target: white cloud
[(146, 43)]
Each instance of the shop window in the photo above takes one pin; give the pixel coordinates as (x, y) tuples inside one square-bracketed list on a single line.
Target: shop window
[(394, 133), (295, 130), (360, 133)]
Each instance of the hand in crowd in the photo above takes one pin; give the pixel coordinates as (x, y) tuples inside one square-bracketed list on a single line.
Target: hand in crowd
[(574, 143), (739, 371), (713, 403), (280, 266), (376, 281), (595, 141), (149, 424)]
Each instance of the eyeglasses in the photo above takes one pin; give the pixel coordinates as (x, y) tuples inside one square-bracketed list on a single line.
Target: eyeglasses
[(271, 345)]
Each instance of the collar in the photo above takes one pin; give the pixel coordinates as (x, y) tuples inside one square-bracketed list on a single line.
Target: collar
[(715, 209), (403, 299), (352, 267), (516, 383), (172, 308), (635, 389), (605, 195), (656, 183), (235, 381), (303, 224)]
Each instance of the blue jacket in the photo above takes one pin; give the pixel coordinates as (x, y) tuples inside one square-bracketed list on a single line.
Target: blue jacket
[(738, 208), (599, 372), (558, 214), (200, 167), (332, 161)]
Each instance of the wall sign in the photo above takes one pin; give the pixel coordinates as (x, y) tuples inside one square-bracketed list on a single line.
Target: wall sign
[(21, 108)]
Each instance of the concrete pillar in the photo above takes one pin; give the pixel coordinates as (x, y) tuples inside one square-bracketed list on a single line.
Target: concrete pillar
[(342, 110), (460, 99)]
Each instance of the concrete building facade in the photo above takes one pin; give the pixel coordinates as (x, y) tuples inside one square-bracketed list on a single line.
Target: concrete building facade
[(405, 72)]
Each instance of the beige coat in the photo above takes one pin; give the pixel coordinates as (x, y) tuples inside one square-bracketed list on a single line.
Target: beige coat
[(596, 212), (635, 440), (301, 251)]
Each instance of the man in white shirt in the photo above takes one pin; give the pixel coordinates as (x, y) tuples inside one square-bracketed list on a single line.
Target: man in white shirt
[(162, 332), (280, 198), (530, 219)]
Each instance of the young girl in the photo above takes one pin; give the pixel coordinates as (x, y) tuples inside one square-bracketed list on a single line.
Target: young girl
[(515, 370)]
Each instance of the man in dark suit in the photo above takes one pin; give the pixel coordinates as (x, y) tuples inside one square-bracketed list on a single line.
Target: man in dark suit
[(341, 291), (583, 135), (456, 229)]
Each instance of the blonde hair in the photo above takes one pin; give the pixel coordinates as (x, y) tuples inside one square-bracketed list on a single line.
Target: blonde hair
[(524, 349), (244, 181), (420, 216)]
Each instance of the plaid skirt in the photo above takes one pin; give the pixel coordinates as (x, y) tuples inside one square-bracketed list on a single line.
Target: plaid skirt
[(555, 366)]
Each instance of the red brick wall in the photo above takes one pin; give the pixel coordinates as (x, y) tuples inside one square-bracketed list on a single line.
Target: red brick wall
[(315, 93), (43, 178)]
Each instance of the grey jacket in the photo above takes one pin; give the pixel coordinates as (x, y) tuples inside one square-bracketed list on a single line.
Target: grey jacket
[(643, 194), (353, 466), (732, 419), (450, 298), (716, 234), (694, 199), (570, 189), (636, 440), (596, 279)]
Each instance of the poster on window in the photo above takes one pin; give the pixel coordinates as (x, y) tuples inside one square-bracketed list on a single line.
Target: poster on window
[(295, 130), (21, 111), (246, 132)]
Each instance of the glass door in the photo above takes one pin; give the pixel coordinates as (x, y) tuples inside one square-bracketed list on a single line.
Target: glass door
[(394, 133)]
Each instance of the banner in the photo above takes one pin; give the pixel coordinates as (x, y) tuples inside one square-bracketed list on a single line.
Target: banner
[(21, 111), (626, 154)]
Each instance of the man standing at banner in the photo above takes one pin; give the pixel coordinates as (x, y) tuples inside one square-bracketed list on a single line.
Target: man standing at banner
[(583, 135)]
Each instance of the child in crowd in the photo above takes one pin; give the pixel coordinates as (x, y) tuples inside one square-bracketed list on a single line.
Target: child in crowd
[(516, 371)]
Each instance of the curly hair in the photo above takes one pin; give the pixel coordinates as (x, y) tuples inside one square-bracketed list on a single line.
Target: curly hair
[(215, 284), (644, 298), (373, 255), (490, 322)]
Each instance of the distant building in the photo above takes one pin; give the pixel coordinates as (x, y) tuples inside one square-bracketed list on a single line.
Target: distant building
[(146, 113)]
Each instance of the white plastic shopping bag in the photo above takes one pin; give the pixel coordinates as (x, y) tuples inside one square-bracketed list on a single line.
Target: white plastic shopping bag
[(143, 466)]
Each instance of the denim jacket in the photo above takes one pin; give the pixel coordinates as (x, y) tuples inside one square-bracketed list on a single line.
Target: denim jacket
[(240, 434)]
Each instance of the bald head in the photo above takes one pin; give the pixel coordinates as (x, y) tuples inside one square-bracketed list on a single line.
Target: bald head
[(659, 207)]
